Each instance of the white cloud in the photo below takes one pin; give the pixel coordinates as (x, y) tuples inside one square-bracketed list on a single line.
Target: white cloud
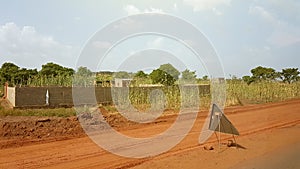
[(153, 10), (132, 10), (201, 5), (25, 45)]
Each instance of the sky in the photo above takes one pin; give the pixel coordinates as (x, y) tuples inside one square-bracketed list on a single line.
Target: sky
[(244, 33)]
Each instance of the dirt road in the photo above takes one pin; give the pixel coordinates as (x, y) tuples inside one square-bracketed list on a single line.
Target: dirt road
[(263, 128)]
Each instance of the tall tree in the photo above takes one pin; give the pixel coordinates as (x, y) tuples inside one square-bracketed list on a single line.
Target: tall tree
[(53, 69), (263, 73), (188, 76), (159, 76), (171, 70), (83, 71), (290, 75), (140, 74), (83, 77), (9, 72)]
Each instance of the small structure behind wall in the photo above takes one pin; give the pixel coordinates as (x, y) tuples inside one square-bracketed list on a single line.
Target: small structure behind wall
[(122, 82)]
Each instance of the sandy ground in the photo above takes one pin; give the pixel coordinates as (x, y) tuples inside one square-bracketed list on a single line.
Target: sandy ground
[(269, 138)]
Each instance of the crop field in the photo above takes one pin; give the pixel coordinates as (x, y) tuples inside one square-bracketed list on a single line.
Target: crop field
[(170, 98), (261, 92), (237, 93)]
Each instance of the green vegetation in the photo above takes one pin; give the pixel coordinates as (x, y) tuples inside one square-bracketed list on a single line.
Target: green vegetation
[(239, 92), (59, 112), (264, 85), (263, 74), (290, 75), (188, 76), (122, 74), (50, 74), (1, 90), (53, 74), (141, 78), (165, 75), (172, 97), (159, 76), (169, 69)]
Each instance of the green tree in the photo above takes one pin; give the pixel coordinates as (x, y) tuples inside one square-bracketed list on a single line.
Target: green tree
[(53, 70), (9, 72), (205, 77), (159, 76), (24, 75), (54, 74), (290, 75), (171, 70), (263, 73), (141, 74), (248, 79), (140, 78), (84, 71), (83, 77), (188, 76), (67, 71)]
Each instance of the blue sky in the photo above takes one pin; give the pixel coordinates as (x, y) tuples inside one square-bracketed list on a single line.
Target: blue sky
[(245, 33)]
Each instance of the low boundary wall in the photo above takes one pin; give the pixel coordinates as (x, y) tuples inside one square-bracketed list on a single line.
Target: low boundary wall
[(24, 97)]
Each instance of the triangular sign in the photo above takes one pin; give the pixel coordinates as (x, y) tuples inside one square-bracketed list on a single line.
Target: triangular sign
[(219, 122)]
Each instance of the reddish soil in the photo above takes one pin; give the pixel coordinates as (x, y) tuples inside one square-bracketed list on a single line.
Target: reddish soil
[(18, 131), (32, 142)]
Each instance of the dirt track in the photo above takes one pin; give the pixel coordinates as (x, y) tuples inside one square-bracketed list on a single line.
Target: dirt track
[(253, 122)]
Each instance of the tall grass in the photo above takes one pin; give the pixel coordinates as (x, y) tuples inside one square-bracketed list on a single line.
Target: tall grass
[(170, 97), (261, 92), (237, 93), (59, 80)]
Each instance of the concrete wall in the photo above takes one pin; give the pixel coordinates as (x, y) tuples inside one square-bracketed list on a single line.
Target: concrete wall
[(36, 96), (59, 96), (63, 96)]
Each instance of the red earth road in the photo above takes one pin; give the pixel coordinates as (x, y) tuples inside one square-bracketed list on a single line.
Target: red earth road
[(83, 153)]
